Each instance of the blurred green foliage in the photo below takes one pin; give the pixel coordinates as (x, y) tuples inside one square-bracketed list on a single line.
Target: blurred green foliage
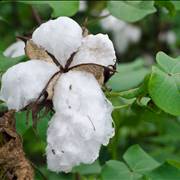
[(150, 95)]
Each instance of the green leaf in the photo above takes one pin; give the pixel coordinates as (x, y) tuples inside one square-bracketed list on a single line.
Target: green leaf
[(164, 84), (131, 11), (7, 62), (60, 8), (32, 142), (64, 8), (3, 19), (168, 5), (138, 160), (114, 170), (87, 169), (176, 5), (21, 122), (49, 175), (174, 163), (129, 94), (164, 172), (128, 76)]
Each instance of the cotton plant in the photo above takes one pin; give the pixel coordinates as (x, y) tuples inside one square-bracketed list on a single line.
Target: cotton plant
[(66, 67)]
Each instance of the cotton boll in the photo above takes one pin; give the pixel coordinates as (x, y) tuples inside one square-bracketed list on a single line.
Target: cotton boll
[(97, 49), (68, 149), (79, 92), (60, 37), (126, 36), (81, 124), (110, 22), (16, 49), (123, 33), (169, 37), (82, 6), (23, 83)]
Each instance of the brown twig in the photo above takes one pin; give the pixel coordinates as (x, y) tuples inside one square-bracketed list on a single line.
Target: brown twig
[(23, 38), (96, 18), (55, 61), (36, 15), (69, 61), (44, 90)]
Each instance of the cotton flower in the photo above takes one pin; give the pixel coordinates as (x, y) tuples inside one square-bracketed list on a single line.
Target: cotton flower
[(16, 49), (82, 121)]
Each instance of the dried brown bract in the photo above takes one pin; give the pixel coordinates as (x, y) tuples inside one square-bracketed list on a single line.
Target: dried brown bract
[(35, 52), (13, 164), (96, 70)]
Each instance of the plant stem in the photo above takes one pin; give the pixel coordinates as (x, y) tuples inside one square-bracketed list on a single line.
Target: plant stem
[(77, 176), (122, 106)]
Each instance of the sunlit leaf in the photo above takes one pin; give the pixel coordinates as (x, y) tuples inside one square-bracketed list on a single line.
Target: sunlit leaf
[(164, 84), (128, 76), (60, 8), (131, 11)]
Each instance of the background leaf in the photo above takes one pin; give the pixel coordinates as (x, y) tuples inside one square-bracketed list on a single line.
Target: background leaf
[(164, 84), (87, 169), (139, 160), (64, 8), (60, 8), (7, 62), (131, 11), (165, 172), (128, 76), (114, 170)]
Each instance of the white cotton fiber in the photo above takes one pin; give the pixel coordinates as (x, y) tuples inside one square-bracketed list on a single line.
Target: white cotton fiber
[(16, 49), (22, 83), (97, 49), (60, 37), (82, 122)]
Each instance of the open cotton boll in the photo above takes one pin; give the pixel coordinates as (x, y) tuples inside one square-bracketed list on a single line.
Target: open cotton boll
[(97, 49), (82, 122), (123, 33), (60, 37), (79, 92), (23, 83), (16, 49), (169, 37), (66, 148), (82, 6)]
